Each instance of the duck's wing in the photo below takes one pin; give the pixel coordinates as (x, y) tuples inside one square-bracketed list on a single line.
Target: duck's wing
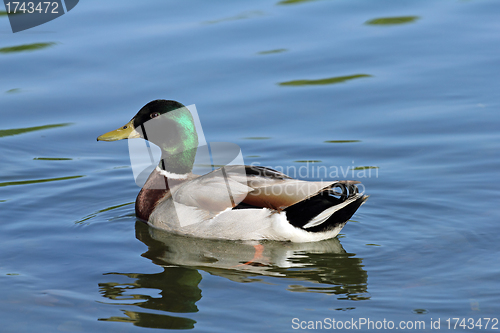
[(204, 197), (275, 190), (256, 186), (216, 191)]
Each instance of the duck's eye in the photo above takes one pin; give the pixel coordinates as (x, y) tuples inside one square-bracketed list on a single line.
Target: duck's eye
[(154, 115), (124, 127)]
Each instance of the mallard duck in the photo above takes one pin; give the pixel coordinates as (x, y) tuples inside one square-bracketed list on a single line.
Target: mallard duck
[(234, 202)]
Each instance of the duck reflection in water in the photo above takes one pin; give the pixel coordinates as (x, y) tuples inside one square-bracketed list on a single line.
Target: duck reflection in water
[(319, 267)]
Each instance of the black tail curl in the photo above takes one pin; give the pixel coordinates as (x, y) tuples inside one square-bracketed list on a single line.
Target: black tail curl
[(302, 212)]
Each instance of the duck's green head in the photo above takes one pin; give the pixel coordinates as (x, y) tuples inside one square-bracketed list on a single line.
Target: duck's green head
[(169, 125)]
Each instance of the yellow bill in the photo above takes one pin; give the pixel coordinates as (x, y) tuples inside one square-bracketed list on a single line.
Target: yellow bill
[(125, 132)]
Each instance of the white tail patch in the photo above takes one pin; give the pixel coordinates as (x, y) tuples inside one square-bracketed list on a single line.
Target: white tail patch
[(324, 215)]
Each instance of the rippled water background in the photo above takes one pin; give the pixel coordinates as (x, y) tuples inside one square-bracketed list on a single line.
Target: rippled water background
[(402, 95)]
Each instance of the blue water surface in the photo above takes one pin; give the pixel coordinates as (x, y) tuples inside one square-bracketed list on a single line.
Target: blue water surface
[(400, 95)]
